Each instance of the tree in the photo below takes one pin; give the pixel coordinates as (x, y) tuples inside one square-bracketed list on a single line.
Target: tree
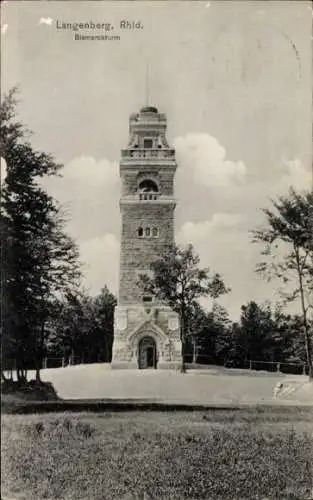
[(178, 281), (103, 307), (199, 337), (41, 260), (222, 334), (83, 327), (71, 328), (288, 347), (211, 335), (256, 332), (288, 240)]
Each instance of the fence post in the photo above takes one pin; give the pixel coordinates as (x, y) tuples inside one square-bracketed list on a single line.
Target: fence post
[(303, 371), (250, 365), (278, 367), (194, 351), (63, 362)]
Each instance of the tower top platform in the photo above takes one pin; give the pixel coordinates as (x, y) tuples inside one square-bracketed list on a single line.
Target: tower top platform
[(149, 109)]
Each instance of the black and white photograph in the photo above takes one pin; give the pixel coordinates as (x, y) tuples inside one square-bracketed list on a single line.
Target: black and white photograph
[(156, 240)]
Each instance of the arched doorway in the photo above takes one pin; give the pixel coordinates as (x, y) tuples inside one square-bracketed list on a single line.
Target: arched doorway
[(147, 354)]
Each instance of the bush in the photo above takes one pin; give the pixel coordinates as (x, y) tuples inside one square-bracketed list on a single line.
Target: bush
[(32, 390)]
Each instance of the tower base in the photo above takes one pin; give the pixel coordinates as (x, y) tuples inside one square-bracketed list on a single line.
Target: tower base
[(146, 338), (123, 365), (170, 365)]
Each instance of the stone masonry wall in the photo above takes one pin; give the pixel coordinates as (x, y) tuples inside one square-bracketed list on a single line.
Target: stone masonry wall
[(134, 318), (164, 179), (132, 323), (137, 253)]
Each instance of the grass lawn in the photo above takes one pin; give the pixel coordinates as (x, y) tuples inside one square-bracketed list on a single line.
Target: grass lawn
[(216, 454)]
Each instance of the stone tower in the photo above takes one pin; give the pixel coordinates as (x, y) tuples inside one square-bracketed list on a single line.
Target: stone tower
[(146, 331)]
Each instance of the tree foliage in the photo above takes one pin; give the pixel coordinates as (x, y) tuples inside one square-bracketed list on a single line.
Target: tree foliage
[(178, 281), (211, 331), (288, 249), (264, 336), (83, 327), (40, 261)]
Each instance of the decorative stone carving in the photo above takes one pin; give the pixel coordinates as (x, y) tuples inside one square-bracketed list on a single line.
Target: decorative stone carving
[(150, 313), (173, 322), (121, 320)]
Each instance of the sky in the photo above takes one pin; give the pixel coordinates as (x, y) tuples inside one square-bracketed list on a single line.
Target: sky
[(235, 81)]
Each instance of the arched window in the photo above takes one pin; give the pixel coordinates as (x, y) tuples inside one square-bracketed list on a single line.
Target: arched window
[(140, 232), (148, 186), (148, 232), (155, 232)]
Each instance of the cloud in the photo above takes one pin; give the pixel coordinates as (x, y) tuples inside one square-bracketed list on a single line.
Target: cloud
[(205, 158), (90, 172), (217, 240), (218, 206), (89, 191), (46, 20), (224, 244), (295, 175), (85, 179), (200, 232), (219, 226)]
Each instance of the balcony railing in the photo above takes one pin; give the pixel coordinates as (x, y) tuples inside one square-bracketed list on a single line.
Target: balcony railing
[(148, 196), (148, 153)]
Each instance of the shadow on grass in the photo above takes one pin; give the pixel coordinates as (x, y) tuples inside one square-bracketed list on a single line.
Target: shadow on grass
[(31, 390), (102, 406)]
